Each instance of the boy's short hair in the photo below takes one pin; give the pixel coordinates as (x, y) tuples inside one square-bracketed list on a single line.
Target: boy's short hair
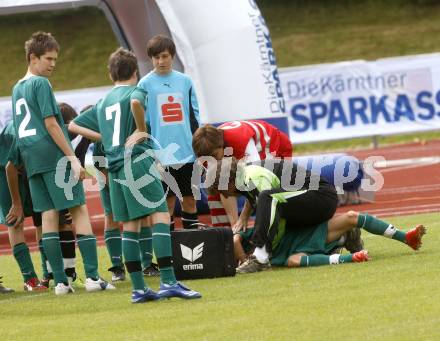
[(206, 139), (67, 112), (39, 43), (159, 44), (122, 64)]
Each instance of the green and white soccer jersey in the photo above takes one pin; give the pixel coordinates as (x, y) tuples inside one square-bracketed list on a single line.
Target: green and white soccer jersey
[(32, 102), (113, 119)]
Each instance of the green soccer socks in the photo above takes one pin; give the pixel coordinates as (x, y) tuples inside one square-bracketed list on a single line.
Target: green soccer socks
[(132, 258), (23, 258), (113, 242), (379, 227), (87, 247), (146, 246), (162, 249), (51, 244), (43, 259)]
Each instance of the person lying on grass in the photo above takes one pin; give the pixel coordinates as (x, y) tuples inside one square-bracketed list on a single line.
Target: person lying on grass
[(312, 247), (298, 246)]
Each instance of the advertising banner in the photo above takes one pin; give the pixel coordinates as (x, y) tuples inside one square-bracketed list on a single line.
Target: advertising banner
[(360, 98)]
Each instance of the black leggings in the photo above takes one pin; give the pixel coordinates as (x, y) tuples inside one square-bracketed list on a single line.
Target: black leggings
[(306, 209)]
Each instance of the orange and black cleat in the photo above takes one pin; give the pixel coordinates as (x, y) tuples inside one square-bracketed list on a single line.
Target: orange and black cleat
[(414, 237), (360, 256)]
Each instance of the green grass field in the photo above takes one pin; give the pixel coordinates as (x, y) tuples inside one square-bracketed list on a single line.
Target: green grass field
[(393, 297)]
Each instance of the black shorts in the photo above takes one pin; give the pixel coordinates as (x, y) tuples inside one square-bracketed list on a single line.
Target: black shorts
[(182, 174)]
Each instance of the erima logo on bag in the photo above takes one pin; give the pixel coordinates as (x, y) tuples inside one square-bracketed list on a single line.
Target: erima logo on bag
[(192, 255)]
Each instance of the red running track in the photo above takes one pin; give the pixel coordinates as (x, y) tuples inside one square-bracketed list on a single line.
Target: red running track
[(411, 185)]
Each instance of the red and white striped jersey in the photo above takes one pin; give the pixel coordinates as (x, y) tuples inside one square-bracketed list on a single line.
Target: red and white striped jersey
[(270, 142), (267, 138)]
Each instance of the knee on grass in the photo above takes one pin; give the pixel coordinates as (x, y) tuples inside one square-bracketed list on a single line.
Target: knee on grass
[(352, 218), (294, 261)]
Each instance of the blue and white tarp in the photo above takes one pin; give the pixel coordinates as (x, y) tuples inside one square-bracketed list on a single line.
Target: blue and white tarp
[(360, 98)]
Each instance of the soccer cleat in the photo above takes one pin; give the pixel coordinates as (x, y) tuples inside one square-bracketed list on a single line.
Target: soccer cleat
[(3, 289), (118, 273), (414, 237), (353, 241), (253, 265), (33, 284), (98, 285), (177, 290), (152, 270), (63, 289), (45, 282), (141, 296), (360, 256)]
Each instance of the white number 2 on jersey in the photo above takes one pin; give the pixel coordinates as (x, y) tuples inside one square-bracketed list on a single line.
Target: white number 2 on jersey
[(115, 108), (22, 131)]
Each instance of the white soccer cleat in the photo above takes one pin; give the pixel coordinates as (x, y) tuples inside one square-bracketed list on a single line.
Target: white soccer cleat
[(62, 289), (98, 285)]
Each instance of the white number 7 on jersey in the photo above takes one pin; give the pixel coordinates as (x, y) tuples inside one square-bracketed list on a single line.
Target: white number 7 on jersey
[(115, 108)]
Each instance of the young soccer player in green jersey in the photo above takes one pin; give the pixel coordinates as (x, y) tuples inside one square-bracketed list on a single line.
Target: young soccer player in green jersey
[(44, 145), (15, 204), (112, 234), (134, 182)]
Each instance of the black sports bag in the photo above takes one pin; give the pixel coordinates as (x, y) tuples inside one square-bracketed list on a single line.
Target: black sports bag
[(205, 252)]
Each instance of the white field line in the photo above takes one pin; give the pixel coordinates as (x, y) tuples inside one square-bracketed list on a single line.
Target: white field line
[(435, 206), (406, 212), (397, 169), (409, 189), (417, 149), (419, 161)]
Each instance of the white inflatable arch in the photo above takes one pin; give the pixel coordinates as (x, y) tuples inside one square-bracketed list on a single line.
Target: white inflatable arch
[(223, 45)]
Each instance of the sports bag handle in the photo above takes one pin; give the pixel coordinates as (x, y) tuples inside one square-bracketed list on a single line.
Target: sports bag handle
[(200, 226)]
